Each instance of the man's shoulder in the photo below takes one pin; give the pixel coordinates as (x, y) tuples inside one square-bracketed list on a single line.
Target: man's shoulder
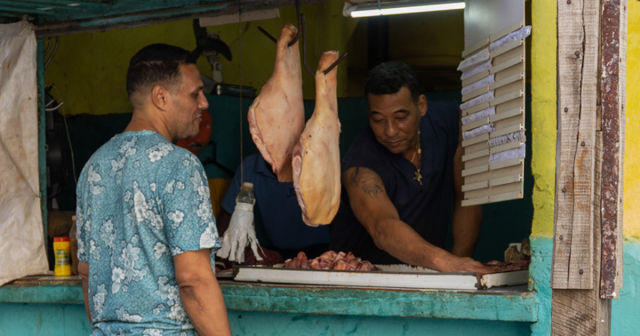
[(444, 113)]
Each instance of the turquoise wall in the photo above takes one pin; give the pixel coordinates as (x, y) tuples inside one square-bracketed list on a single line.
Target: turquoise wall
[(626, 310), (19, 319), (70, 320)]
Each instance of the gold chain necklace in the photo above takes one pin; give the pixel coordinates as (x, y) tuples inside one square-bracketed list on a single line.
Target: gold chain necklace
[(418, 174)]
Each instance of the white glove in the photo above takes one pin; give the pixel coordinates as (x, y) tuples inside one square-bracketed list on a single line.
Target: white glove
[(239, 234)]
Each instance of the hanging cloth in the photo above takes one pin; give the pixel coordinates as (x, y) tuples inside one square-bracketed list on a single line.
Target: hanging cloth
[(22, 249)]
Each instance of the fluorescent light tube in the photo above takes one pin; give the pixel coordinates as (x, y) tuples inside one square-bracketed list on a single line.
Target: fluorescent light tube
[(387, 9)]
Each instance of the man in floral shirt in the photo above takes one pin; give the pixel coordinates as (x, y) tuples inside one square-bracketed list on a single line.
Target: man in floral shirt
[(146, 232)]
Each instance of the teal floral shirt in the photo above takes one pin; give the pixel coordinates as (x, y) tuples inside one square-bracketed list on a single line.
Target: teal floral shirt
[(141, 200)]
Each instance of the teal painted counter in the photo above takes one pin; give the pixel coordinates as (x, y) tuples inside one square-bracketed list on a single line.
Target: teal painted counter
[(477, 305)]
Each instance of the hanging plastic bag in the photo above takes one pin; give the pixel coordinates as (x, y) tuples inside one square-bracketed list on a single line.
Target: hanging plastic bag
[(241, 231)]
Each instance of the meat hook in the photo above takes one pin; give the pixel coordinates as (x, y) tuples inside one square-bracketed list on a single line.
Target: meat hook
[(326, 71), (304, 44), (302, 27), (300, 22), (266, 33)]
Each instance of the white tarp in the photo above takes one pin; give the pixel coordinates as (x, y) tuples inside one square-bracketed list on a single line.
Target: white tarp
[(22, 249)]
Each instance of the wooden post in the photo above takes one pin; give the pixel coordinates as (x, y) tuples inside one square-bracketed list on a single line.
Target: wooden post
[(578, 46), (589, 235)]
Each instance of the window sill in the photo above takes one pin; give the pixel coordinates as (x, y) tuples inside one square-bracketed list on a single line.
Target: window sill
[(499, 304)]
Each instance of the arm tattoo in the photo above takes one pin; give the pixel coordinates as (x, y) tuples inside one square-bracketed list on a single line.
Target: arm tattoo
[(369, 182)]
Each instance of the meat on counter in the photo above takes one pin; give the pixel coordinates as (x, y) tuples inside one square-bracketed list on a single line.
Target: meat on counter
[(330, 260), (499, 266)]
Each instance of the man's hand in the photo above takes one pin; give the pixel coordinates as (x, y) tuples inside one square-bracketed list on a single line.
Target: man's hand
[(457, 264), (200, 293)]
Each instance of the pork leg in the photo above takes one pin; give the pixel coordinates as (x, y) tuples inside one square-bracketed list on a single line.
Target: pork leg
[(276, 116), (316, 157)]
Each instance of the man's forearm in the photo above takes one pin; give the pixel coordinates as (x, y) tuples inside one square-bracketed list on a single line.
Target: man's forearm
[(83, 270), (204, 304), (467, 223), (402, 242)]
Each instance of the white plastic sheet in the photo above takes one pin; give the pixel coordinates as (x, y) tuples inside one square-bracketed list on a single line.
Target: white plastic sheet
[(519, 152), (486, 113), (477, 100), (478, 131), (479, 84), (484, 66), (519, 34), (507, 138), (481, 56), (22, 250)]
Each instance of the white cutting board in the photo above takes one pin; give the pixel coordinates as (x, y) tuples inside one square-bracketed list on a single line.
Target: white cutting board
[(394, 276)]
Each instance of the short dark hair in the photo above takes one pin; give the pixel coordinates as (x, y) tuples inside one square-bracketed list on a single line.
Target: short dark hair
[(156, 64), (390, 77)]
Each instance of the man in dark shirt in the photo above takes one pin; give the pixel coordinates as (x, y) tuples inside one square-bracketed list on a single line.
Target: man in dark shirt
[(401, 176)]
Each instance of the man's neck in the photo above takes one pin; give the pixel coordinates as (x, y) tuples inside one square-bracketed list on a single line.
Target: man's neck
[(142, 120), (411, 153)]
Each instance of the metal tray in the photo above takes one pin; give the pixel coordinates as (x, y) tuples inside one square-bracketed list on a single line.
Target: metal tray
[(392, 276)]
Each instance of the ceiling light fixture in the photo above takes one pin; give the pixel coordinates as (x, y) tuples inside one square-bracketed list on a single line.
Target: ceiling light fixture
[(399, 7)]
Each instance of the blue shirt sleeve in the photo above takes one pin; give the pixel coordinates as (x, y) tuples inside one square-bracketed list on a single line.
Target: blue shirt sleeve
[(188, 219), (229, 201)]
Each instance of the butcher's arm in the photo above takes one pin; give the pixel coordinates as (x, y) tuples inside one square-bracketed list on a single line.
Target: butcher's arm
[(83, 271), (467, 221), (373, 208), (200, 293)]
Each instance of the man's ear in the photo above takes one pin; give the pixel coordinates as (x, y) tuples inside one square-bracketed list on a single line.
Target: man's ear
[(422, 105), (160, 97)]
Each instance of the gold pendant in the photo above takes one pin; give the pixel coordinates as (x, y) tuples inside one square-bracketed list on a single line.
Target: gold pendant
[(418, 177)]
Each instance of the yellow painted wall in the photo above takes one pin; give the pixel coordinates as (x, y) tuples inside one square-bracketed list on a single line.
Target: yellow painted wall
[(631, 195), (543, 114), (89, 69)]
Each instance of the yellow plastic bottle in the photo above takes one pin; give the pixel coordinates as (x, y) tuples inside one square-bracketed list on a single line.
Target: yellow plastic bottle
[(61, 248)]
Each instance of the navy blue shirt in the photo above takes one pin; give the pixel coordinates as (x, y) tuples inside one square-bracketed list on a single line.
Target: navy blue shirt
[(427, 207), (277, 205)]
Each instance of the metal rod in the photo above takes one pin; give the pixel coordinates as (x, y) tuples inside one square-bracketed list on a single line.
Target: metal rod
[(55, 48), (41, 4), (335, 63), (66, 3), (304, 44), (19, 10), (300, 23), (46, 50), (266, 33)]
